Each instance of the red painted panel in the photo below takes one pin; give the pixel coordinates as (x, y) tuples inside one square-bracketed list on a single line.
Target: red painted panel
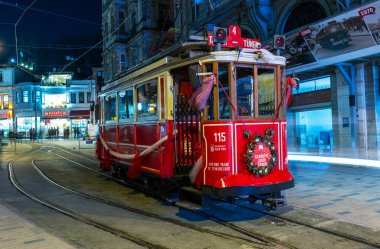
[(147, 134), (218, 151), (224, 149), (126, 133)]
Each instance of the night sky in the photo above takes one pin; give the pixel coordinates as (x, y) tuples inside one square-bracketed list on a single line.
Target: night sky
[(49, 26)]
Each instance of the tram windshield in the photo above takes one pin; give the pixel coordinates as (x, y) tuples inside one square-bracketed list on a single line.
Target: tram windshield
[(251, 89)]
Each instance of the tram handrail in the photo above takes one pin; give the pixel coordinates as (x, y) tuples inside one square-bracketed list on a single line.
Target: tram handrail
[(132, 156)]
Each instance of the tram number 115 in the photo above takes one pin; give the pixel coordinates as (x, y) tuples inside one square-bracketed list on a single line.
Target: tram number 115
[(220, 136)]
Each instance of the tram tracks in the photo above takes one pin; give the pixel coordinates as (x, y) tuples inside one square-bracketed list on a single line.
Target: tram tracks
[(342, 235), (77, 216), (82, 218), (139, 211), (266, 240)]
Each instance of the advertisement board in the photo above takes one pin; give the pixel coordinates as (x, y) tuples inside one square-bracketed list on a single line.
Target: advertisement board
[(348, 36)]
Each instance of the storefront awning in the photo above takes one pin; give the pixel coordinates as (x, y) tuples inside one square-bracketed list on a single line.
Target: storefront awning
[(82, 114)]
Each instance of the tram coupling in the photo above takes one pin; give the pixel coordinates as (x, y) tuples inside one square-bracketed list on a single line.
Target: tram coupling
[(270, 202)]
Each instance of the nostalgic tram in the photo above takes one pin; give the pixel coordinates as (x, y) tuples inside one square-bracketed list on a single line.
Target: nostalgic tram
[(214, 122)]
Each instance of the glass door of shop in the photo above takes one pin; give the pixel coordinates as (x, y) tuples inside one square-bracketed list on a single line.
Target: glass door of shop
[(314, 131), (79, 128)]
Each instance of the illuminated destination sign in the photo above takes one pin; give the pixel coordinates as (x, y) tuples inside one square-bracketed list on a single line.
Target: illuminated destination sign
[(55, 113), (234, 39)]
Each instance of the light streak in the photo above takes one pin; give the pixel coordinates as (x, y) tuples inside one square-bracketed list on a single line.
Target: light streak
[(335, 160)]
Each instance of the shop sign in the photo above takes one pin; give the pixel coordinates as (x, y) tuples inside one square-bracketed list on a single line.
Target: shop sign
[(6, 114), (55, 113)]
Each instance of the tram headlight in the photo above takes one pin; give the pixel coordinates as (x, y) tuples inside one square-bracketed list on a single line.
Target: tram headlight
[(220, 35)]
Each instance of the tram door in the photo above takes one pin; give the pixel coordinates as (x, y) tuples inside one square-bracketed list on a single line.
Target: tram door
[(187, 124)]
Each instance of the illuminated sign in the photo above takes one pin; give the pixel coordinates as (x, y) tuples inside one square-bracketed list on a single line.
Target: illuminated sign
[(234, 39), (6, 114), (55, 113)]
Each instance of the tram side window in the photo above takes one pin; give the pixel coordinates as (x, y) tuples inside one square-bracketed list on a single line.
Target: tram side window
[(110, 108), (266, 90), (224, 106), (147, 99), (126, 110), (245, 92), (210, 101)]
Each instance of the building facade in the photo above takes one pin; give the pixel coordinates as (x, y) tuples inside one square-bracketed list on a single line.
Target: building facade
[(6, 105), (55, 107), (331, 46)]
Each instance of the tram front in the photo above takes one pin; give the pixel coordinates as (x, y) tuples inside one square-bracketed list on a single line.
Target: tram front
[(244, 128)]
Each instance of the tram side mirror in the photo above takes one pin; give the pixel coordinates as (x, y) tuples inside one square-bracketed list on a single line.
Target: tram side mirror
[(196, 81)]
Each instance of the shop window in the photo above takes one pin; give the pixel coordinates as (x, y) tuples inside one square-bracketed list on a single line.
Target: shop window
[(126, 108), (147, 99), (55, 101), (110, 108), (6, 101), (25, 96), (266, 96), (312, 85), (312, 133), (73, 98), (81, 97)]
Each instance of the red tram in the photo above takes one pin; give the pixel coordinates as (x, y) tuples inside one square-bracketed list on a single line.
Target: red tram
[(214, 122)]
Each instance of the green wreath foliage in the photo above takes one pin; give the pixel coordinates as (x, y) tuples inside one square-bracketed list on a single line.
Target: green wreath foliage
[(266, 139)]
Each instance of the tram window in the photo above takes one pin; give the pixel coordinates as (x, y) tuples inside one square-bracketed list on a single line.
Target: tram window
[(210, 101), (224, 106), (245, 91), (147, 99), (126, 110), (266, 91), (110, 108)]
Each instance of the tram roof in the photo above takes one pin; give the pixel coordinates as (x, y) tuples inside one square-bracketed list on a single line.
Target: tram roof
[(172, 59)]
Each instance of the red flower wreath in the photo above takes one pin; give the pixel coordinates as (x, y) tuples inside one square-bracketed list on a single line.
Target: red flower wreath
[(261, 153)]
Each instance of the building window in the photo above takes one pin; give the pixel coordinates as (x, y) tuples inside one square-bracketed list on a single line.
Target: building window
[(123, 60), (297, 18), (81, 97), (88, 97), (1, 76), (195, 11), (38, 95), (73, 98), (121, 17), (164, 19), (25, 96), (312, 85)]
